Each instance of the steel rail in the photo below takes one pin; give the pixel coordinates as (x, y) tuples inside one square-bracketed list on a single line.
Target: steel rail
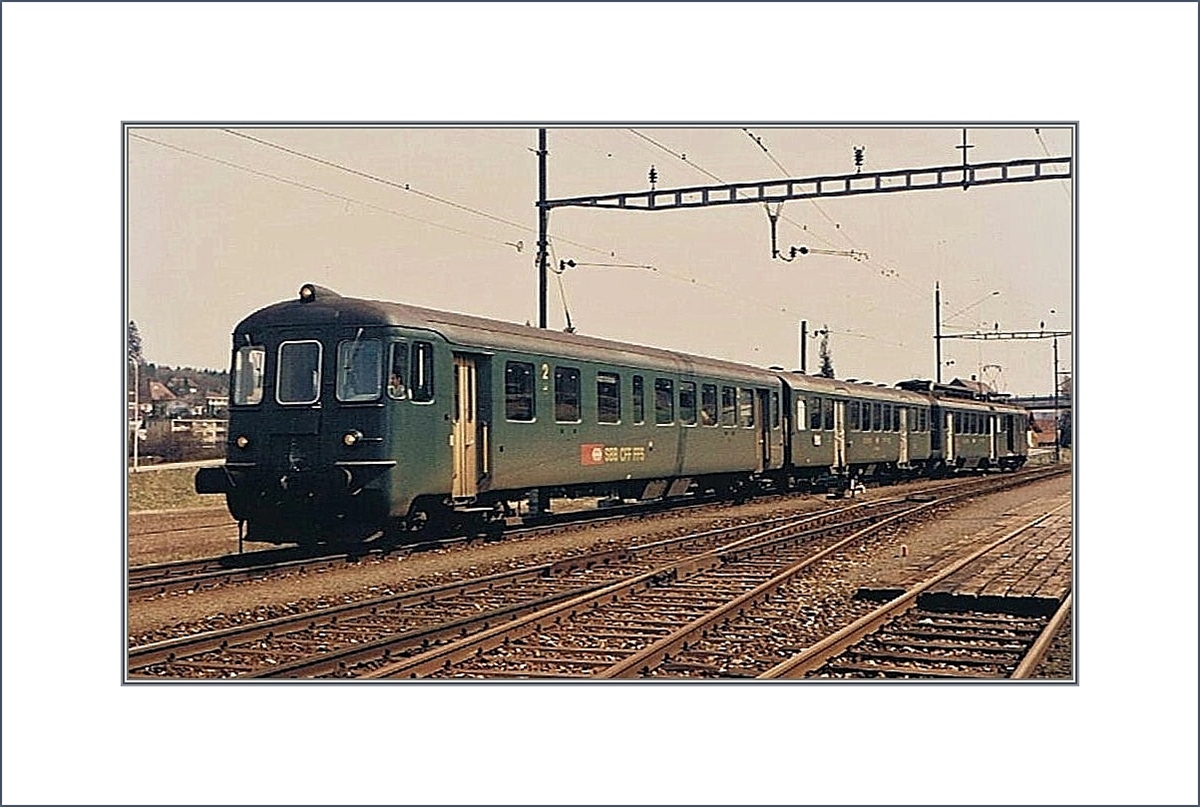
[(835, 644), (444, 657), (381, 650), (167, 650), (1038, 650), (182, 575), (642, 661), (188, 647)]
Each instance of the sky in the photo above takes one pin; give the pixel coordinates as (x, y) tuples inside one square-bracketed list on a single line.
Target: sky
[(226, 218), (73, 75)]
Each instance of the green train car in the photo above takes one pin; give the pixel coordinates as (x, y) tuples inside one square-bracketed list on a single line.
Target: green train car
[(351, 416)]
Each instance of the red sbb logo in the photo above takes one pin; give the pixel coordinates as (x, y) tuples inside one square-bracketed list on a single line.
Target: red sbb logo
[(591, 454)]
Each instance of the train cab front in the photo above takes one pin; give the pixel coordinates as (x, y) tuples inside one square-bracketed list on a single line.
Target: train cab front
[(306, 457)]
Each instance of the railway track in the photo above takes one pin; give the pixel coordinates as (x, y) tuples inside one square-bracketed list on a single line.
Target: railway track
[(904, 639), (333, 638), (191, 575), (361, 637)]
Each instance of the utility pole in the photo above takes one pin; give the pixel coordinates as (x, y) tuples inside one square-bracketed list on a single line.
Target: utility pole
[(937, 326), (1056, 433), (543, 225), (804, 346), (137, 415)]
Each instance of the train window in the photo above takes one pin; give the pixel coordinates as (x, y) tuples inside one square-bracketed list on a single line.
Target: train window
[(896, 419), (421, 372), (359, 362), (664, 401), (520, 402), (814, 413), (1008, 423), (746, 408), (566, 394), (876, 417), (958, 422), (397, 385), (866, 417), (248, 364), (639, 400), (774, 409), (801, 416), (608, 398), (708, 405), (687, 403), (922, 420), (728, 406), (827, 408), (887, 418), (855, 415), (299, 376)]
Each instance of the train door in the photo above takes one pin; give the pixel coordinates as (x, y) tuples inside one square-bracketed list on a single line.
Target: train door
[(464, 438), (992, 437), (903, 435), (839, 434), (764, 429), (949, 437), (1010, 431)]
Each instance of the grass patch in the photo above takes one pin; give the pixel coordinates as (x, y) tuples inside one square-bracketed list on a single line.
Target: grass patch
[(170, 489)]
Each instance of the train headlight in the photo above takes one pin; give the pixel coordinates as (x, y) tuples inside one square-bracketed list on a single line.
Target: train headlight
[(242, 441), (352, 438), (308, 293)]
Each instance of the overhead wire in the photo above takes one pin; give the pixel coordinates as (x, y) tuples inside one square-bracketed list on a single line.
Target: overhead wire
[(1038, 132), (883, 270), (315, 189), (404, 186)]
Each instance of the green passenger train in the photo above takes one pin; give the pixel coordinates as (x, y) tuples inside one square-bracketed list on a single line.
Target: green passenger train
[(351, 416)]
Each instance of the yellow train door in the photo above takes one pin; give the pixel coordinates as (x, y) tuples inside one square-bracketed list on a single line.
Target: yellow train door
[(464, 435)]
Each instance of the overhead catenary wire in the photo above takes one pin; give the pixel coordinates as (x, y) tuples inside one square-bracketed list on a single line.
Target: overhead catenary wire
[(404, 186), (1038, 132), (854, 247), (316, 189)]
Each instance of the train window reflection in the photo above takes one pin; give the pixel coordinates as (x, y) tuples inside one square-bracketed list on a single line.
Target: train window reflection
[(359, 363), (398, 372), (608, 398), (708, 405), (248, 365), (519, 402), (299, 375), (664, 401), (687, 403), (566, 394), (728, 406), (746, 408)]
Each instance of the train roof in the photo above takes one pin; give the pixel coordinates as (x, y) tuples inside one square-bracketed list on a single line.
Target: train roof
[(326, 307), (820, 385)]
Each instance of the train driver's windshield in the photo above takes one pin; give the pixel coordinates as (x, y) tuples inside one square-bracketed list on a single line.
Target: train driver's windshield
[(360, 366), (299, 380)]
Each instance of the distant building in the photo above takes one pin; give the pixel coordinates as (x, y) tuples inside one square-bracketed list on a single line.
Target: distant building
[(1042, 428), (216, 405)]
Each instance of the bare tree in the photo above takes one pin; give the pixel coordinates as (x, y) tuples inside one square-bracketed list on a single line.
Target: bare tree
[(826, 357), (134, 341)]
